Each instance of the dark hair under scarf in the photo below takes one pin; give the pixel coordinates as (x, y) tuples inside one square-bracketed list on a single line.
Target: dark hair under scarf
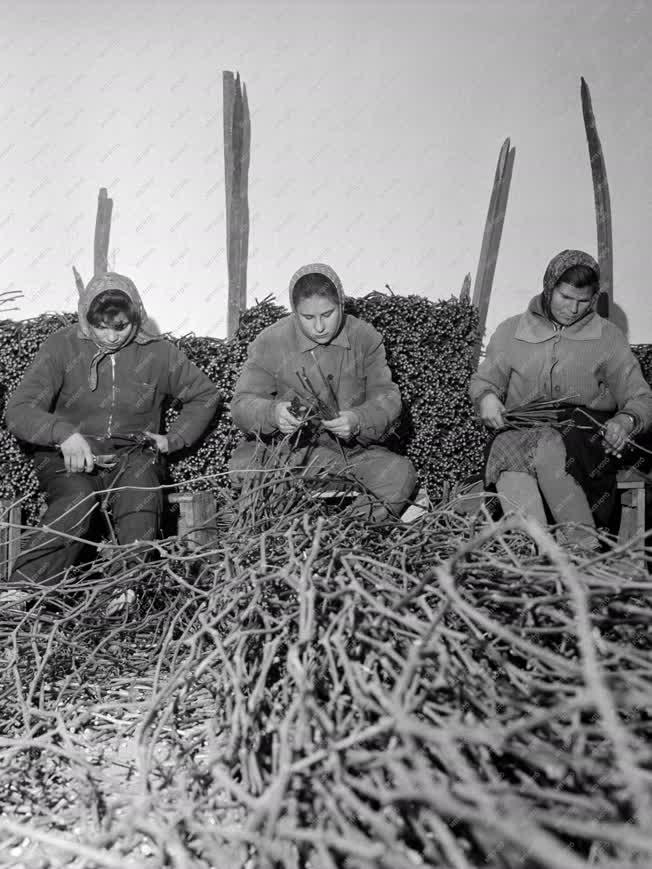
[(558, 266)]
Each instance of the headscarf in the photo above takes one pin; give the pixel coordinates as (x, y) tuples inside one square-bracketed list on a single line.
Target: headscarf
[(327, 272), (556, 268), (145, 332)]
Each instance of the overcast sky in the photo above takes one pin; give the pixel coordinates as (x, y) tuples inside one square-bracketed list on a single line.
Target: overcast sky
[(375, 132)]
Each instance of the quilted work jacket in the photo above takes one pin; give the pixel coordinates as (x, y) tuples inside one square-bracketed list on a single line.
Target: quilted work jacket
[(588, 363), (355, 360)]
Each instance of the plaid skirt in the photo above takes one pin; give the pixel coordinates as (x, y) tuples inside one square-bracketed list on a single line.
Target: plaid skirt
[(514, 450), (586, 460)]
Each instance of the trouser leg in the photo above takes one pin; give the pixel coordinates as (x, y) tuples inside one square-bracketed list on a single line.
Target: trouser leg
[(137, 503), (71, 499), (389, 480), (564, 496), (519, 491)]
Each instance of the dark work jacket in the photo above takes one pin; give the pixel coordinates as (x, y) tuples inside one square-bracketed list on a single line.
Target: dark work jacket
[(54, 399)]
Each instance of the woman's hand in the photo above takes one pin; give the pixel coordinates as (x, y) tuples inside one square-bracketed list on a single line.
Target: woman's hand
[(616, 432), (160, 441), (77, 454), (345, 426), (286, 422), (491, 411)]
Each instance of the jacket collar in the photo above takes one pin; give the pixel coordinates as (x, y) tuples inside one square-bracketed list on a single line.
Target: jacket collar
[(305, 343), (534, 327)]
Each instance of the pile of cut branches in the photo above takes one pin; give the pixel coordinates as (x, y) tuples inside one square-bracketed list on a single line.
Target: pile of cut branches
[(312, 690)]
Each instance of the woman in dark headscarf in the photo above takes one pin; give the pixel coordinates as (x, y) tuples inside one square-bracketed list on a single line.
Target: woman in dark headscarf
[(561, 350), (89, 405)]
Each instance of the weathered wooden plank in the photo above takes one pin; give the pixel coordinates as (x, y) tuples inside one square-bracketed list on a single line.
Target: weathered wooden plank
[(197, 523), (243, 253), (602, 200), (229, 98), (10, 514), (237, 140), (78, 280), (481, 273), (492, 234), (102, 232), (236, 209), (465, 292)]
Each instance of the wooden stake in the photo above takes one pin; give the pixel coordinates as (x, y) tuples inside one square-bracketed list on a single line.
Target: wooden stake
[(237, 143), (243, 246), (228, 98), (102, 232), (492, 234), (465, 292), (602, 203), (78, 281)]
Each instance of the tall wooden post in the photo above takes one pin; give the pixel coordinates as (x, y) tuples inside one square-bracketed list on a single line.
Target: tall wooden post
[(465, 292), (102, 233), (79, 283), (602, 204), (493, 231), (237, 148)]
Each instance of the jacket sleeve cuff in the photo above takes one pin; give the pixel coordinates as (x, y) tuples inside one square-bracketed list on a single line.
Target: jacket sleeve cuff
[(60, 431), (476, 398), (636, 420), (175, 442)]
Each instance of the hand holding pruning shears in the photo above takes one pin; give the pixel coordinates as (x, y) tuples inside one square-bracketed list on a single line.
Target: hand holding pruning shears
[(77, 454), (160, 441)]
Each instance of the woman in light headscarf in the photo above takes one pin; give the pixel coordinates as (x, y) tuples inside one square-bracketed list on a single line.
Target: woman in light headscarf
[(321, 364), (561, 350)]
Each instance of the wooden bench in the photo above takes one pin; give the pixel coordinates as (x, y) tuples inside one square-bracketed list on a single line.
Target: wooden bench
[(196, 517), (10, 517), (632, 520)]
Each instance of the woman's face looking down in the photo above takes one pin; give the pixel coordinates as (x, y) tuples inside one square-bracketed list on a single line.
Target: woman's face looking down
[(320, 318), (114, 334), (568, 303)]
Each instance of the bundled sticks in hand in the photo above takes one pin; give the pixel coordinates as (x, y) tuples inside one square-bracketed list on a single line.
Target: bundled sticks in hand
[(326, 409)]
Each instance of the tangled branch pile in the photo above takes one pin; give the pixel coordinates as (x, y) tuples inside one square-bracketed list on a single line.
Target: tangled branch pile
[(311, 691)]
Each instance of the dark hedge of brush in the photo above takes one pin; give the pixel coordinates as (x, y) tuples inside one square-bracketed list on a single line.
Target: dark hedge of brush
[(429, 349)]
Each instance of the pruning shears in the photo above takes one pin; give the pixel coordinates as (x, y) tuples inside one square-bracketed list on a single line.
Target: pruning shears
[(108, 461)]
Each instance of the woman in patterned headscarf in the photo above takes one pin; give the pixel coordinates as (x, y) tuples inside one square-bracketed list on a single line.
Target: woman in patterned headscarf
[(560, 349)]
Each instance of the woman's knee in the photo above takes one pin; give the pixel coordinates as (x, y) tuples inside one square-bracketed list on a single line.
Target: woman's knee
[(389, 474), (550, 454), (408, 475), (71, 512)]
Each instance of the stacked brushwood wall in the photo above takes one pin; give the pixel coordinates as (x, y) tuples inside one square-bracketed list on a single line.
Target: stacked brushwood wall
[(429, 349)]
